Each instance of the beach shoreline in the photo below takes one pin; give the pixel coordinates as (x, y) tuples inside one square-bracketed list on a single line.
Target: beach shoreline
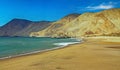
[(41, 51), (92, 54)]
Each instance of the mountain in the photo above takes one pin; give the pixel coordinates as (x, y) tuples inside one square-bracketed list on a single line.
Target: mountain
[(33, 27), (52, 29), (22, 27), (13, 27), (102, 23)]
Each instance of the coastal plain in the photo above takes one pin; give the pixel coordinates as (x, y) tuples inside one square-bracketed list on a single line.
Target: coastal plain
[(95, 53)]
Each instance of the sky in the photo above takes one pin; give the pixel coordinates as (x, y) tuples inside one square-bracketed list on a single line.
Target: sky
[(51, 10)]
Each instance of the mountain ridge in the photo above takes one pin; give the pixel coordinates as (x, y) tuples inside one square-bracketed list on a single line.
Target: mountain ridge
[(13, 26), (88, 24), (34, 27), (59, 23), (17, 27)]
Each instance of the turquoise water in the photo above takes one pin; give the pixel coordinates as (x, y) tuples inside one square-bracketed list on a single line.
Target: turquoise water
[(13, 46)]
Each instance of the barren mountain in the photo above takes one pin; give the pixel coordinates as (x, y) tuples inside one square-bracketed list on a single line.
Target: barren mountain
[(102, 23), (13, 27), (33, 27), (52, 29), (22, 27)]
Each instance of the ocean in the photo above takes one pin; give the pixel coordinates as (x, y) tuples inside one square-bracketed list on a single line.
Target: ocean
[(18, 46)]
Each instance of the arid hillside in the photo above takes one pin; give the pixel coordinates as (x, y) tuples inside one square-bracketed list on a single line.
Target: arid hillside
[(102, 23), (22, 27), (52, 29), (33, 27)]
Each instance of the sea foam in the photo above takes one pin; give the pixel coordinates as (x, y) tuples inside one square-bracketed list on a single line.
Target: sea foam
[(65, 43)]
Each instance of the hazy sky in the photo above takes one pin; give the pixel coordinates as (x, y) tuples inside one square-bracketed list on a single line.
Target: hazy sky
[(51, 10)]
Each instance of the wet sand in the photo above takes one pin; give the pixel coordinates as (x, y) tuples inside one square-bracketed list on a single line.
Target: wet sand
[(93, 54)]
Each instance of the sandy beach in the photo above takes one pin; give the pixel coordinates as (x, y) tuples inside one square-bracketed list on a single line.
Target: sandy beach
[(95, 53)]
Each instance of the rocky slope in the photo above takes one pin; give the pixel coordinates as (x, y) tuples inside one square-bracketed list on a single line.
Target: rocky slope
[(33, 27), (22, 27), (54, 27), (13, 27), (103, 23)]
